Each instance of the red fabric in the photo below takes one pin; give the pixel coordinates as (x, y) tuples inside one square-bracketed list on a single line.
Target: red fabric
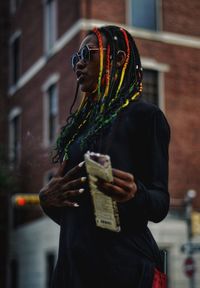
[(159, 280)]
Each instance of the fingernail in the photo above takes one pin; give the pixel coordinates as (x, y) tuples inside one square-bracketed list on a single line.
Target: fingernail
[(83, 179), (81, 190), (81, 164), (76, 205)]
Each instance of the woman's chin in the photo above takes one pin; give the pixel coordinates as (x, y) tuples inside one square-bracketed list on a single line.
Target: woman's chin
[(87, 89)]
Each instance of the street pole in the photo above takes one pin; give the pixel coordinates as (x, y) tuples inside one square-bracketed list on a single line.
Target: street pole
[(191, 194)]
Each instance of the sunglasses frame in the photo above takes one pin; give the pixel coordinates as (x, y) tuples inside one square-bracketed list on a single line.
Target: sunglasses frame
[(80, 56)]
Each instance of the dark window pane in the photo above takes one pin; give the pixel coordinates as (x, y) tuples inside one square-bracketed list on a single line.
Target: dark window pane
[(150, 86), (144, 14), (53, 109), (15, 140), (15, 50), (50, 24)]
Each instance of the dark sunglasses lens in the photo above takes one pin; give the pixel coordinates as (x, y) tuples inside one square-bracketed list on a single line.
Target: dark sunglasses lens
[(75, 60), (85, 53)]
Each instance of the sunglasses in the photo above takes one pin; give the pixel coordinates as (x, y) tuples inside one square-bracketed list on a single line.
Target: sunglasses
[(84, 54)]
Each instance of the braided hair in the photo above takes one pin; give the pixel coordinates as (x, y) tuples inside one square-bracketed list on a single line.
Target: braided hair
[(119, 88)]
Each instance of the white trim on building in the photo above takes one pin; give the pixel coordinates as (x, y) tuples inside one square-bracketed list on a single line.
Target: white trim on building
[(165, 37), (150, 63)]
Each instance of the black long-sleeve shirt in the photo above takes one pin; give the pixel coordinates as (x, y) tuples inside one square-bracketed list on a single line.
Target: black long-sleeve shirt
[(137, 142)]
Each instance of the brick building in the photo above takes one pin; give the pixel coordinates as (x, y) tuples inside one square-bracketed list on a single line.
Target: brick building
[(37, 88)]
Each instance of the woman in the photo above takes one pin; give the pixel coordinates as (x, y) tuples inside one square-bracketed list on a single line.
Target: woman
[(112, 119)]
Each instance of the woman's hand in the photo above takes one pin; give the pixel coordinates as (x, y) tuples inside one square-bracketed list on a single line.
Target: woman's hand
[(60, 190), (123, 187)]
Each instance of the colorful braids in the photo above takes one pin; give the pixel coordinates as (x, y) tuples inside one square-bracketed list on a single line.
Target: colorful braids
[(107, 73), (100, 42), (114, 93), (126, 61)]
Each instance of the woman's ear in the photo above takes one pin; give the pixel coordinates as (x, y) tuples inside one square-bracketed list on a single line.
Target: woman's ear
[(121, 58)]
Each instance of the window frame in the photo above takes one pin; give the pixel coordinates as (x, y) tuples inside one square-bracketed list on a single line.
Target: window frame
[(161, 68), (159, 16), (52, 80), (15, 112), (16, 35), (48, 47), (160, 87)]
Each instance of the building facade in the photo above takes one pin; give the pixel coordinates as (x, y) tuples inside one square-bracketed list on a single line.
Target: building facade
[(38, 87)]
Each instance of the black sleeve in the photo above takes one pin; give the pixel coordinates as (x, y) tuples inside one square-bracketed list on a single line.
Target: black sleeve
[(151, 201), (53, 212)]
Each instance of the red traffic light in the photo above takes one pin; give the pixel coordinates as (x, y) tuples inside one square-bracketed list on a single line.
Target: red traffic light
[(20, 201), (23, 200)]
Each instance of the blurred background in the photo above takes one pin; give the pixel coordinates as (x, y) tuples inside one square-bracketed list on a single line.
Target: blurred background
[(37, 86)]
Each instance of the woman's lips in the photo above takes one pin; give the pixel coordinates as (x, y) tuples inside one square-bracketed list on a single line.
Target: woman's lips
[(80, 76)]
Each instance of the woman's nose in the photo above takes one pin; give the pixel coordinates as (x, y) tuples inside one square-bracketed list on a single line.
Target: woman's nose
[(80, 64)]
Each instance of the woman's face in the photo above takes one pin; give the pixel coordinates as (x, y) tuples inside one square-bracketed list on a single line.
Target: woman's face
[(87, 72)]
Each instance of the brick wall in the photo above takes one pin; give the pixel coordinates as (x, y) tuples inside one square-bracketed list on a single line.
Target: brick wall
[(112, 11), (181, 17)]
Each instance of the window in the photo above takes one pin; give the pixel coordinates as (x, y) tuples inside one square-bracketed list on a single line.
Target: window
[(50, 24), (50, 263), (15, 136), (15, 58), (50, 106), (150, 86), (145, 14), (53, 112)]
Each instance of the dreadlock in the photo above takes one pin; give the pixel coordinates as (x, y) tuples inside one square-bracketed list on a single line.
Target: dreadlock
[(121, 86)]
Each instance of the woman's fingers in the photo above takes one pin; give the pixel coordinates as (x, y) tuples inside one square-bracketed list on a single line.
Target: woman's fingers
[(118, 186), (122, 175), (58, 194), (125, 185), (111, 189), (74, 184), (72, 193), (66, 203), (73, 172), (114, 192), (70, 204), (121, 189)]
